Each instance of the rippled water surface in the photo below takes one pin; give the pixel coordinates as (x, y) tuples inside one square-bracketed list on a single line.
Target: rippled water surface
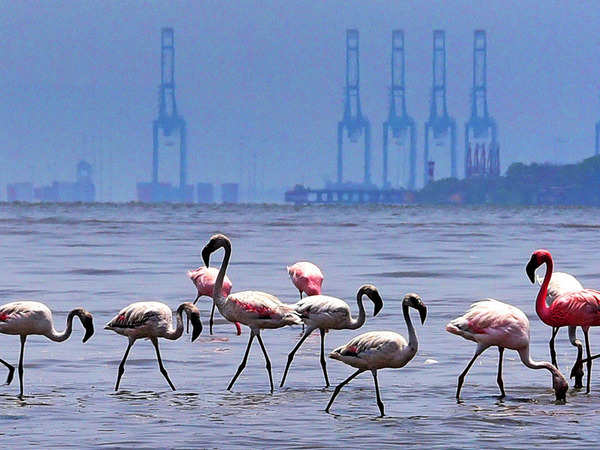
[(105, 257)]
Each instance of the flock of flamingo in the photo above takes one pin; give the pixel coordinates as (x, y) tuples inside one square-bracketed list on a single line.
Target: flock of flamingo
[(561, 301)]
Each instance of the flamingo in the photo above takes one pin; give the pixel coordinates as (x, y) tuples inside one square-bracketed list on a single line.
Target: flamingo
[(561, 283), (204, 280), (380, 349), (491, 323), (330, 313), (257, 310), (306, 277), (152, 320), (26, 318), (573, 309)]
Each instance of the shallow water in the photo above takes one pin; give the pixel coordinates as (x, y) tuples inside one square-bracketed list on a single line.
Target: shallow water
[(104, 257)]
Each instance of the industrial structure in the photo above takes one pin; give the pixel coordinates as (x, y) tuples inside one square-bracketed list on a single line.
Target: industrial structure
[(355, 124), (440, 126), (81, 190), (481, 132), (168, 165), (401, 125)]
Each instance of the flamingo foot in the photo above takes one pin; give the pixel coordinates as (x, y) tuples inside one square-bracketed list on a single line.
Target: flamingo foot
[(577, 373), (238, 328)]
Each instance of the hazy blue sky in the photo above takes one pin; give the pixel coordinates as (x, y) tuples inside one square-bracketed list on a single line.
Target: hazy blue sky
[(79, 80)]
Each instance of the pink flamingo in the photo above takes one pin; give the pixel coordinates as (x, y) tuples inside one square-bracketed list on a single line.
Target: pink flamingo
[(204, 280), (257, 310), (306, 277), (562, 283), (492, 323), (26, 318), (572, 309)]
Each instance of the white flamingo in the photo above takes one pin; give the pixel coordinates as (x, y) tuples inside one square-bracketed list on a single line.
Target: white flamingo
[(330, 313), (25, 318), (380, 349), (491, 323), (257, 310), (563, 283), (152, 320)]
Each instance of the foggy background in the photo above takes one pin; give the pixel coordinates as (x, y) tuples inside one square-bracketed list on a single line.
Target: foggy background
[(79, 80)]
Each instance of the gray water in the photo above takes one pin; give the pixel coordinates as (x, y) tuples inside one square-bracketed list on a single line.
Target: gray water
[(105, 257)]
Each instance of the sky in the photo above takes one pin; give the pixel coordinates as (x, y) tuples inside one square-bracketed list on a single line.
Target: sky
[(260, 83)]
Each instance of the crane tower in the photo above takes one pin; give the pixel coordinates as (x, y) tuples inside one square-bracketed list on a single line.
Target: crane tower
[(481, 131), (440, 128), (401, 125), (353, 121)]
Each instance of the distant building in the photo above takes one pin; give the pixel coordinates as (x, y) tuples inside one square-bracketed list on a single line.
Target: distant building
[(164, 192), (230, 192), (82, 190), (19, 192), (205, 193)]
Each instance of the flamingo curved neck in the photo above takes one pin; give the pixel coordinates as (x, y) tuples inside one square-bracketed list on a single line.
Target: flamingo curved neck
[(541, 307), (526, 359), (175, 333), (218, 289), (360, 320), (57, 336), (412, 334)]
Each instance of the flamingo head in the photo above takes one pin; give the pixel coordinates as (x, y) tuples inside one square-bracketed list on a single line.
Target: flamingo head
[(216, 241), (86, 320), (371, 291), (538, 258), (414, 301), (193, 315), (560, 386)]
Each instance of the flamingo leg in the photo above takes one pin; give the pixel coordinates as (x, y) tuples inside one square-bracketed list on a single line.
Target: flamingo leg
[(589, 361), (268, 364), (187, 330), (499, 379), (300, 290), (292, 353), (339, 387), (379, 402), (461, 377), (585, 360), (11, 371), (160, 364), (243, 363), (122, 365), (323, 363), (212, 318), (577, 370), (552, 351), (23, 339)]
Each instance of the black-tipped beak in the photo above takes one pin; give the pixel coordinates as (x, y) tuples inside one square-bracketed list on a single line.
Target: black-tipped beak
[(422, 312), (206, 256), (196, 325), (378, 301), (530, 269), (88, 324)]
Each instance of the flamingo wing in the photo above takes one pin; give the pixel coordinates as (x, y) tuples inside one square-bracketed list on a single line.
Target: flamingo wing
[(581, 308), (137, 315), (250, 306)]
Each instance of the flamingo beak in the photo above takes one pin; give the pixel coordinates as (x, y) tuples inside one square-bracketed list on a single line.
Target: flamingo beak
[(378, 301), (530, 269), (196, 325), (422, 312), (206, 255), (88, 324)]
